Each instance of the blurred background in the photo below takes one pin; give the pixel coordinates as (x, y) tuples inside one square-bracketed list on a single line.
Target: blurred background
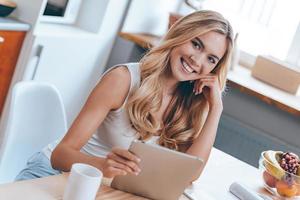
[(70, 43)]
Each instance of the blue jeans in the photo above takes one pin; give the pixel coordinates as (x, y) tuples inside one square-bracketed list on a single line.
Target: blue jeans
[(38, 166)]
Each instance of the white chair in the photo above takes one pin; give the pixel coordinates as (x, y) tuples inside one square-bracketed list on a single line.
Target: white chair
[(36, 117)]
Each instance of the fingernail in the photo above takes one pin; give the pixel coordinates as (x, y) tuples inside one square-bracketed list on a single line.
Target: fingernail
[(136, 173), (138, 159)]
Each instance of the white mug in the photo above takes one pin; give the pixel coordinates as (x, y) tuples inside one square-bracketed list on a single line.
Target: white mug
[(83, 182)]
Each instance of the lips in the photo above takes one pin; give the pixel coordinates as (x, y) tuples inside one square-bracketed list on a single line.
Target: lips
[(186, 66)]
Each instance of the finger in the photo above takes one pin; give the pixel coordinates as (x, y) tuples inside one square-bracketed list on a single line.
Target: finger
[(203, 78), (115, 164), (208, 79), (200, 76), (121, 166), (200, 86), (214, 78), (208, 83), (126, 154), (119, 159), (197, 76), (112, 172), (207, 76), (197, 84)]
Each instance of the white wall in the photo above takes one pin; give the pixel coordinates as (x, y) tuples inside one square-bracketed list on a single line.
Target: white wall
[(143, 16), (150, 16)]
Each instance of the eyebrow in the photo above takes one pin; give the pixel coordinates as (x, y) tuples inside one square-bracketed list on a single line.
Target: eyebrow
[(202, 44)]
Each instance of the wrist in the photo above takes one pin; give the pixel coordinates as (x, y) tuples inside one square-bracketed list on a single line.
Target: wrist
[(216, 109), (99, 163)]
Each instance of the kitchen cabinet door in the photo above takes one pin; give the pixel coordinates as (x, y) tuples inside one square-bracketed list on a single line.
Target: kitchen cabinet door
[(10, 46), (73, 64)]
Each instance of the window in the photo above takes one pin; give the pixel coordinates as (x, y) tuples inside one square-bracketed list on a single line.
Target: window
[(294, 52), (265, 27)]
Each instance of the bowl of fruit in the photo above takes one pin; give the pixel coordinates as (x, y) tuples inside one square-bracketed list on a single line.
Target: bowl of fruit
[(281, 173)]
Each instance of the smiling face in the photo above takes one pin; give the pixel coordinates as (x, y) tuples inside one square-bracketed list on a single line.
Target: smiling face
[(198, 56)]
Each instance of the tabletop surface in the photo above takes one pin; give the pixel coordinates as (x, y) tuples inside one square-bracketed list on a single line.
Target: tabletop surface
[(221, 170)]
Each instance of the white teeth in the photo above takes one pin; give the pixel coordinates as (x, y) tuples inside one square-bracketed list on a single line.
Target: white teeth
[(185, 65)]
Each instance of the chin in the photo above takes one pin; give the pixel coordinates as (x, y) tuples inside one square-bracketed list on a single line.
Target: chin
[(180, 75), (179, 72)]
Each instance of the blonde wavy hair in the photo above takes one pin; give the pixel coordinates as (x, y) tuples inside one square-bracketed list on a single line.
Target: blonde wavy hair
[(186, 112)]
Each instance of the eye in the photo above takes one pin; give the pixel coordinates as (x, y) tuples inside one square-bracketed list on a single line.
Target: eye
[(196, 44), (212, 60)]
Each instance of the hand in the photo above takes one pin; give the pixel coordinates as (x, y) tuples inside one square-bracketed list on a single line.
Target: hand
[(209, 86), (120, 162)]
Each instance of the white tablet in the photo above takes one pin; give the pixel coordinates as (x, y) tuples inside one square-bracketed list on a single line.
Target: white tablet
[(164, 173)]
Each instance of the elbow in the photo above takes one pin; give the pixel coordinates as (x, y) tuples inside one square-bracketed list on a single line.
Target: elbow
[(55, 157), (61, 157), (198, 174), (196, 177)]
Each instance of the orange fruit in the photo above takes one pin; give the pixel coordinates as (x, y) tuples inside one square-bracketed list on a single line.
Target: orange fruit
[(285, 189), (298, 192)]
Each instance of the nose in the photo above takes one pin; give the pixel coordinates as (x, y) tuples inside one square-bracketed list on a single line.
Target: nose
[(197, 62)]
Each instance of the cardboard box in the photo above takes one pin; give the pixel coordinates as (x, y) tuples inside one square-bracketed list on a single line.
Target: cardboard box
[(277, 73)]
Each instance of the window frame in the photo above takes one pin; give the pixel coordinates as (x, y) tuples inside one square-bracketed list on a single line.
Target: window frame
[(293, 56), (247, 59)]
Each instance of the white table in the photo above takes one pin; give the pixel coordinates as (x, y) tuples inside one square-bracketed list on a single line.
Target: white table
[(221, 170)]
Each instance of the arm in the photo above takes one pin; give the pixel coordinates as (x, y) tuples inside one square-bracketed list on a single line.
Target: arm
[(203, 143), (109, 94)]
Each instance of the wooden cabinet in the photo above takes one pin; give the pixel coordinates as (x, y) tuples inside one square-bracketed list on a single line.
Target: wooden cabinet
[(10, 46)]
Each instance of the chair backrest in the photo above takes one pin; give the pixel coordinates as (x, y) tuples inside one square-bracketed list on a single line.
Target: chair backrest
[(36, 117)]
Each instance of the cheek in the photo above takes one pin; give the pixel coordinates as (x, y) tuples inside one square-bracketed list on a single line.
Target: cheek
[(208, 69), (174, 57), (172, 62)]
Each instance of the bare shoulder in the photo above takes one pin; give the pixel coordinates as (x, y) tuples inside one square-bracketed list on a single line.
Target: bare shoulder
[(119, 76), (119, 72), (114, 86)]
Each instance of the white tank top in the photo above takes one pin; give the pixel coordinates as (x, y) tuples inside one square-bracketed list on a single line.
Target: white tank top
[(115, 130)]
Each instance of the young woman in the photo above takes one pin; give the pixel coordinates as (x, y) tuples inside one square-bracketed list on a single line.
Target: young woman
[(173, 97)]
